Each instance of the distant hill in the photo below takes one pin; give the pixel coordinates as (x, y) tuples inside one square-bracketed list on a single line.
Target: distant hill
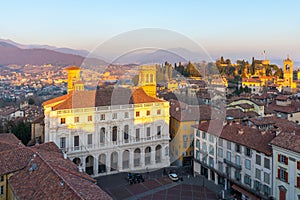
[(11, 54)]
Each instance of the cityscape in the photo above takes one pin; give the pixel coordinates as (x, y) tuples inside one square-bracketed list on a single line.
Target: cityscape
[(150, 100)]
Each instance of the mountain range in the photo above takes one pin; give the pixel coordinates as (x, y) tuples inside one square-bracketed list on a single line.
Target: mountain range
[(15, 53)]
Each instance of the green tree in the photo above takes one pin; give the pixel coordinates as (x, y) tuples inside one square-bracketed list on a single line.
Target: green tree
[(31, 101)]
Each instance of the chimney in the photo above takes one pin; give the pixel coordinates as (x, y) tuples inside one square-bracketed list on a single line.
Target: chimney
[(65, 155), (79, 167), (241, 131)]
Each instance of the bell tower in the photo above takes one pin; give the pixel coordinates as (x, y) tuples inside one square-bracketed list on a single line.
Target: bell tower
[(288, 72), (74, 80), (147, 79)]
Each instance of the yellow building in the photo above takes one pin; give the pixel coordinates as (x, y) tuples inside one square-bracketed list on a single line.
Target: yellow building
[(288, 73), (254, 84), (73, 77), (182, 117), (147, 79)]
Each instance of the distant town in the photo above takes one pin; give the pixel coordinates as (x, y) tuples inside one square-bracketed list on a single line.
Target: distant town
[(229, 128)]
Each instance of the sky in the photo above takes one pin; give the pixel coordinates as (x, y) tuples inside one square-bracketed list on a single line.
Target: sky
[(232, 28)]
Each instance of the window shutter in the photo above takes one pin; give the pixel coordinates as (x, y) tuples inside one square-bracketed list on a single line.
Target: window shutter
[(278, 157), (278, 173), (298, 181), (286, 159), (298, 165), (286, 176)]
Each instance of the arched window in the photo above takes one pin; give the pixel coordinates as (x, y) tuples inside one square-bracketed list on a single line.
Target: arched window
[(126, 133), (114, 134), (102, 135)]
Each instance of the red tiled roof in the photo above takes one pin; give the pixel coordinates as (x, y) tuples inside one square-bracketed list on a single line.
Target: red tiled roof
[(235, 113), (54, 177), (249, 137), (289, 141), (103, 97), (183, 112), (9, 141), (292, 108)]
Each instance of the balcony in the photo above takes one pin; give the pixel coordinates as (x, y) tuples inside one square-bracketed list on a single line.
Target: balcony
[(231, 164)]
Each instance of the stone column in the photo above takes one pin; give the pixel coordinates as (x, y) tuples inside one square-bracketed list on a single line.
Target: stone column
[(120, 160), (142, 160), (107, 162), (152, 159), (131, 159), (96, 165)]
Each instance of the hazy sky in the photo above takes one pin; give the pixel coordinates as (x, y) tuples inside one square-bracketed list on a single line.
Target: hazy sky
[(224, 27)]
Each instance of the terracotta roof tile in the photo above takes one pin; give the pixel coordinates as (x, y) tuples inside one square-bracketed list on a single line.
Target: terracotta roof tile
[(289, 141)]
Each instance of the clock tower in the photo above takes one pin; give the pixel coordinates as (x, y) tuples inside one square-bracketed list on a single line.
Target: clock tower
[(288, 73)]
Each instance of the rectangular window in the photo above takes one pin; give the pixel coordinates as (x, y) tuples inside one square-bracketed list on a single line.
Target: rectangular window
[(185, 127), (220, 142), (2, 190), (184, 144), (248, 164), (237, 160), (237, 175), (267, 178), (148, 133), (203, 135), (137, 114), (258, 159), (90, 118), (90, 139), (158, 112), (76, 119), (211, 138), (197, 155), (198, 133), (62, 120), (220, 152), (257, 174), (211, 162), (247, 180), (137, 134), (267, 163), (185, 138), (126, 115), (115, 115), (282, 175), (198, 144), (257, 185), (228, 156), (148, 113), (248, 152), (283, 159), (158, 130), (76, 141), (62, 142), (220, 166), (102, 117), (1, 178), (238, 148), (228, 145)]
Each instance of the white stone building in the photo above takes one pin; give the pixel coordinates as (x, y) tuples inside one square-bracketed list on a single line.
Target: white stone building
[(286, 165), (235, 156), (110, 130)]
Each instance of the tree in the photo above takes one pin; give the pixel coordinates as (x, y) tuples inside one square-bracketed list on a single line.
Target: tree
[(22, 130)]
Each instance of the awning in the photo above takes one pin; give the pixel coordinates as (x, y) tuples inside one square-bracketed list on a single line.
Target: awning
[(245, 192)]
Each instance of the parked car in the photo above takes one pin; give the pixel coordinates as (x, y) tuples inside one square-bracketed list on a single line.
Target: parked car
[(173, 177), (135, 178)]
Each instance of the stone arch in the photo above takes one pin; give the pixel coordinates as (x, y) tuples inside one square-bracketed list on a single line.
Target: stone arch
[(102, 163), (89, 165), (77, 161), (125, 159), (137, 157), (148, 155), (158, 154), (114, 161)]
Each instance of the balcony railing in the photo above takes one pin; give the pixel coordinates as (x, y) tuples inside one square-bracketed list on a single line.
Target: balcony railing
[(232, 164)]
